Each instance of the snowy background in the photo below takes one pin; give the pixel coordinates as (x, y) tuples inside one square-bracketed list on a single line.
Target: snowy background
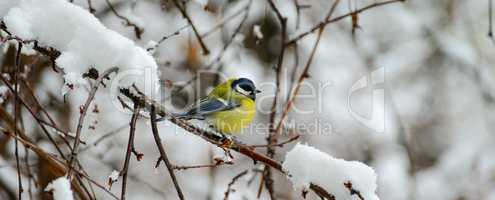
[(409, 92)]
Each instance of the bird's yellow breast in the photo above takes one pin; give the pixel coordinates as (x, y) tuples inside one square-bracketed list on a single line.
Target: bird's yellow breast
[(232, 121)]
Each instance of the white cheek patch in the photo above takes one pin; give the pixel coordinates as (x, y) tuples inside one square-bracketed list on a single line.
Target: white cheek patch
[(242, 91)]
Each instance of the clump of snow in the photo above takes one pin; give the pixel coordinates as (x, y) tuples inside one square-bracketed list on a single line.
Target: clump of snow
[(257, 32), (113, 177), (3, 93), (151, 46), (84, 42), (203, 3), (60, 188), (306, 165)]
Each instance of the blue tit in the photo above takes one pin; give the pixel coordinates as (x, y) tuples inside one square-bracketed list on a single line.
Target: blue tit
[(229, 107)]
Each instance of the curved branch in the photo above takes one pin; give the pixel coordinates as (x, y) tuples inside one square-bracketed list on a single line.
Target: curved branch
[(84, 110)]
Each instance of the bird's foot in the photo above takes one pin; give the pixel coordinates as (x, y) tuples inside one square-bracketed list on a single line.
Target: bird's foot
[(227, 141)]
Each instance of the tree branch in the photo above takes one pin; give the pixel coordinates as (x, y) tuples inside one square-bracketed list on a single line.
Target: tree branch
[(163, 154), (84, 110), (130, 145), (188, 18), (324, 23)]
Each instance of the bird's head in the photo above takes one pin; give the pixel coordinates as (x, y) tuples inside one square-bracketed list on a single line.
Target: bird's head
[(245, 87)]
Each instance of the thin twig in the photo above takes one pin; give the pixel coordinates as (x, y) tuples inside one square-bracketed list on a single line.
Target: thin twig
[(52, 124), (229, 186), (33, 114), (490, 22), (304, 74), (16, 114), (188, 18), (223, 21), (83, 112), (137, 29), (177, 32), (353, 191), (237, 30), (277, 145), (109, 134), (90, 7), (54, 162), (324, 23), (267, 179), (217, 163), (163, 154), (130, 144)]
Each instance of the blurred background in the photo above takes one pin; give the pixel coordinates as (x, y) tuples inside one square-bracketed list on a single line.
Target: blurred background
[(406, 87)]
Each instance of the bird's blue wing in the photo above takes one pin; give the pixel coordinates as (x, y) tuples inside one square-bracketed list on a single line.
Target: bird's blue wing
[(207, 106)]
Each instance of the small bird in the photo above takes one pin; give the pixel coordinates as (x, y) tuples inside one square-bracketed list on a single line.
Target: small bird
[(229, 107)]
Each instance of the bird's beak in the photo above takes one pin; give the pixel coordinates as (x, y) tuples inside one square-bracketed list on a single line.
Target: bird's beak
[(257, 91)]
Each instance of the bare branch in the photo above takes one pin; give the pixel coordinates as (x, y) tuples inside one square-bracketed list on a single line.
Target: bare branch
[(490, 21), (84, 110), (130, 145), (353, 191), (16, 115), (270, 152), (324, 23), (137, 30), (167, 37), (304, 73), (229, 186), (188, 18), (218, 162), (163, 154), (279, 144)]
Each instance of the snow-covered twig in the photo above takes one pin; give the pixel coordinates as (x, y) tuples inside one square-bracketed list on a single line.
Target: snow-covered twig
[(60, 188), (309, 167)]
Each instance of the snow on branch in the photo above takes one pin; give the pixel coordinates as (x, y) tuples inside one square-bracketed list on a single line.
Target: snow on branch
[(83, 41), (307, 165), (60, 188)]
